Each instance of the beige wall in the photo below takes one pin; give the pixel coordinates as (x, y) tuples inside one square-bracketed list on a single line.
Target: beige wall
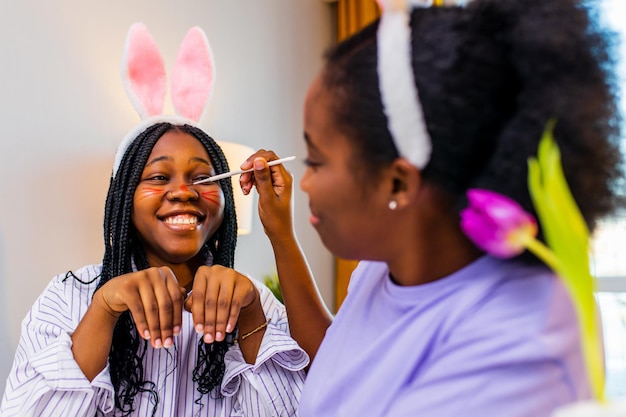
[(65, 110)]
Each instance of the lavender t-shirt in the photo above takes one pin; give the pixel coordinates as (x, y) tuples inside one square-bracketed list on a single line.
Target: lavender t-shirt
[(497, 338)]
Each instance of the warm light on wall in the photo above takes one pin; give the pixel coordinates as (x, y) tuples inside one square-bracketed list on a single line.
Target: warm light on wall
[(244, 205)]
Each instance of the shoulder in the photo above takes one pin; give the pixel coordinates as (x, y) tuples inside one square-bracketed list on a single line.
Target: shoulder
[(83, 278), (515, 323), (73, 284), (522, 289), (65, 298), (517, 304)]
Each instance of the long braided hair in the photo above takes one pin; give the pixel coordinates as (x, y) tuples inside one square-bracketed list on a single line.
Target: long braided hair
[(123, 250)]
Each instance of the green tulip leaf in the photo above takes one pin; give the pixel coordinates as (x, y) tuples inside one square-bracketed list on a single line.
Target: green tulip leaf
[(567, 236)]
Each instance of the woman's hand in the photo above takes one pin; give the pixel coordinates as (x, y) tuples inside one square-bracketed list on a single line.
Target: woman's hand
[(154, 299), (275, 186), (218, 296)]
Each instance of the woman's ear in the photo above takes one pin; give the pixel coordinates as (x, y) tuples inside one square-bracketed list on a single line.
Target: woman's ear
[(406, 183)]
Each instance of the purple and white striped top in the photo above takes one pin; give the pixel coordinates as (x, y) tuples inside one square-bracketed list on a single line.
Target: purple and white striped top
[(46, 381)]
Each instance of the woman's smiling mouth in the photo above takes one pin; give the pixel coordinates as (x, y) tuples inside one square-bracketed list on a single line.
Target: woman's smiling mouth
[(181, 219)]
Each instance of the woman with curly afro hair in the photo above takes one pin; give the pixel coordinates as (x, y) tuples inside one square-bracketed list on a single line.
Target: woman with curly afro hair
[(407, 116)]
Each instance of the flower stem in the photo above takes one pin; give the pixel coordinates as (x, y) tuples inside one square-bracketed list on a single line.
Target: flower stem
[(584, 304), (543, 252)]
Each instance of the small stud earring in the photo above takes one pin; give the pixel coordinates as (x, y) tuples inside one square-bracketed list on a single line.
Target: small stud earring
[(393, 204)]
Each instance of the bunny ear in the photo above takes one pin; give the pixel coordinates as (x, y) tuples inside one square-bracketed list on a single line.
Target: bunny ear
[(143, 72), (193, 75)]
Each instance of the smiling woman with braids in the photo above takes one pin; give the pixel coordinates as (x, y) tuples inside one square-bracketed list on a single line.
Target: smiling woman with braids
[(164, 326)]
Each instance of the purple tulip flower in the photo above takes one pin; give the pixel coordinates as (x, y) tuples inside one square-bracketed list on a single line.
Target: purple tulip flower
[(497, 224)]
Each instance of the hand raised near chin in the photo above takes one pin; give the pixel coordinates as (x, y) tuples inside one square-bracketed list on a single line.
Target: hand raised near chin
[(154, 299), (218, 296)]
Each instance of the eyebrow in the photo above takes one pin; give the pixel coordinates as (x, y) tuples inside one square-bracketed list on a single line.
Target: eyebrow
[(200, 160), (169, 158), (309, 142)]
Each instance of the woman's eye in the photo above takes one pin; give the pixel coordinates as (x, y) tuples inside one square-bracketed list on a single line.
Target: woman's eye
[(200, 178), (311, 164), (156, 178)]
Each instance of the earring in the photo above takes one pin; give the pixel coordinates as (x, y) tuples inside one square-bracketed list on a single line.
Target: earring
[(393, 204)]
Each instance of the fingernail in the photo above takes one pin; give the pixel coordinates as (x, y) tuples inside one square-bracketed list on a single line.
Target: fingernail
[(146, 334), (208, 338), (229, 328), (199, 328), (158, 344), (219, 336), (176, 330), (259, 164), (168, 342)]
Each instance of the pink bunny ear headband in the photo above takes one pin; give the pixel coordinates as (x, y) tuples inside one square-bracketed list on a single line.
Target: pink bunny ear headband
[(399, 94), (145, 81)]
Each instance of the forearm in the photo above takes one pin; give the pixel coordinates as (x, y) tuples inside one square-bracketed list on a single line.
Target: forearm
[(308, 315), (91, 341), (251, 329)]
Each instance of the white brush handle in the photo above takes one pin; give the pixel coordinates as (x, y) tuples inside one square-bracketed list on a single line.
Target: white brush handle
[(241, 171)]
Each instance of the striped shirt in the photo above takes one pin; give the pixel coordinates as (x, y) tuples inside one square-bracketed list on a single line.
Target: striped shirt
[(45, 380)]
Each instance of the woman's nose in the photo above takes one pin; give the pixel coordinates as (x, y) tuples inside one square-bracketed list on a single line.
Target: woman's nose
[(304, 181), (183, 192)]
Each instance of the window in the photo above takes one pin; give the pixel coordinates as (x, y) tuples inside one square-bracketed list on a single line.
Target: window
[(609, 266), (608, 259)]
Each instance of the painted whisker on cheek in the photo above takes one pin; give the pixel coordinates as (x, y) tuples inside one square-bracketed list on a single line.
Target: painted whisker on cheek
[(149, 192), (211, 196)]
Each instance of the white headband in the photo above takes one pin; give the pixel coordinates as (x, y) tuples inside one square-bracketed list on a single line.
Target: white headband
[(398, 90), (145, 81)]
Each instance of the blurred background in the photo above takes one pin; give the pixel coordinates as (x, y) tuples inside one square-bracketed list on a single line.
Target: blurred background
[(608, 254)]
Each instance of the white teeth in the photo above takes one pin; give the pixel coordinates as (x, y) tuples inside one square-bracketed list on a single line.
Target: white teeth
[(182, 219)]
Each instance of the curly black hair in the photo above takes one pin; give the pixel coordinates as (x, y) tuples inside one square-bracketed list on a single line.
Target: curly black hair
[(489, 77), (123, 250)]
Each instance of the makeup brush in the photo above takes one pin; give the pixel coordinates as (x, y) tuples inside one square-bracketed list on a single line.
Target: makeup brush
[(241, 171)]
